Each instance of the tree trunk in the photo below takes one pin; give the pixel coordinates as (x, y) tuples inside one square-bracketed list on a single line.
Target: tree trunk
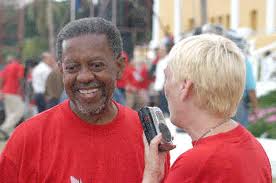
[(50, 27), (21, 28)]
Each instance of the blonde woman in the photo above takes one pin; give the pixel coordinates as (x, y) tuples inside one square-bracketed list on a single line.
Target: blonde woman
[(204, 82)]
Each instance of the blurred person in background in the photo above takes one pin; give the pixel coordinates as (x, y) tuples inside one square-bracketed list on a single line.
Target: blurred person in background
[(39, 76), (203, 87), (160, 78), (152, 69), (120, 92), (143, 83), (249, 101), (153, 94), (273, 67), (53, 87), (130, 88), (268, 66), (265, 66), (29, 107), (90, 137), (3, 135), (63, 96), (137, 87), (11, 85)]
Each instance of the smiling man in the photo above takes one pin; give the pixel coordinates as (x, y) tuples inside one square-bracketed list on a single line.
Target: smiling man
[(88, 138), (90, 70)]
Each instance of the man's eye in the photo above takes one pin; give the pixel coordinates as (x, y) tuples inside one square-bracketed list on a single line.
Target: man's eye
[(70, 68), (97, 67)]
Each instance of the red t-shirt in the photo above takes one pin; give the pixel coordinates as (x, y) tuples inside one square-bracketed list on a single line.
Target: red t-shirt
[(11, 75), (139, 78), (126, 77), (144, 84), (57, 146), (232, 157)]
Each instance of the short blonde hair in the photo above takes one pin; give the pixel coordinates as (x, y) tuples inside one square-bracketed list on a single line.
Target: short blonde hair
[(217, 68)]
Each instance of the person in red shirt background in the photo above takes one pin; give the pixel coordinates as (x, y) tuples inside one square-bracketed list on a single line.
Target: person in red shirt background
[(120, 92), (137, 86), (11, 90)]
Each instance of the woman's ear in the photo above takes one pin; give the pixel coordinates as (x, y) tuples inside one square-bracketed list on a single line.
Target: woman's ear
[(120, 64), (186, 89)]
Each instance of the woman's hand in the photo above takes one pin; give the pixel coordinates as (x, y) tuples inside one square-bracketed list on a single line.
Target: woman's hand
[(154, 160)]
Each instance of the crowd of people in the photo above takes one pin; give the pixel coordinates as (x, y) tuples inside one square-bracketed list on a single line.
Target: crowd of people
[(27, 89), (96, 136)]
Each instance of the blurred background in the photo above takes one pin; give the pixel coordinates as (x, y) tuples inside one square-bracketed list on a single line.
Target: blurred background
[(149, 29)]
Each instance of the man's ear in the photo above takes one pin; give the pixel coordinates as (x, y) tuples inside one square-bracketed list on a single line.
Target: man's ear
[(186, 89), (121, 64)]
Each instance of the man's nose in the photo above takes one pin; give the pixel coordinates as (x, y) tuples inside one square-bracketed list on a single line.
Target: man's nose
[(85, 75)]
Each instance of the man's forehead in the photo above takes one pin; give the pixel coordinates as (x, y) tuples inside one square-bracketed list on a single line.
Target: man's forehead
[(84, 37)]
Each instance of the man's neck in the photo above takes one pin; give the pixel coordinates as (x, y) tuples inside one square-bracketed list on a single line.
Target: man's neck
[(104, 117)]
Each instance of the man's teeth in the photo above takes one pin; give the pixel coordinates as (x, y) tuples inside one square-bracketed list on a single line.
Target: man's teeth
[(88, 91)]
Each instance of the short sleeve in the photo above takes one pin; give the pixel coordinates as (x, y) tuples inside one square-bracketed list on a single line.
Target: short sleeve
[(250, 80)]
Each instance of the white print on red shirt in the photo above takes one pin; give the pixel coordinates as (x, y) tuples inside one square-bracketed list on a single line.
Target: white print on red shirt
[(74, 180)]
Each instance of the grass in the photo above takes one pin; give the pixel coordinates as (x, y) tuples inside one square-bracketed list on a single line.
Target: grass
[(265, 125), (268, 100)]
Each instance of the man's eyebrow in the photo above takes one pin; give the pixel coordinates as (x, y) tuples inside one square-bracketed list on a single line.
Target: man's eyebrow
[(95, 58), (87, 58)]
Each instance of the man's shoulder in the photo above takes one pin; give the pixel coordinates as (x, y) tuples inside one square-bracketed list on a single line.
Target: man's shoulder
[(45, 119), (127, 110), (128, 115)]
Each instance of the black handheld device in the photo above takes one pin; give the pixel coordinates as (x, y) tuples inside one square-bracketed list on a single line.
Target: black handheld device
[(153, 123)]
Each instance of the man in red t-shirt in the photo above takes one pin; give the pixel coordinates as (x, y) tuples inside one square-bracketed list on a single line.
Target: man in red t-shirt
[(88, 138), (10, 83), (204, 81)]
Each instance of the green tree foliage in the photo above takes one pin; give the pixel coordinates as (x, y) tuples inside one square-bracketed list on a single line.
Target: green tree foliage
[(261, 126), (133, 19), (33, 47), (36, 30), (10, 26), (61, 11), (30, 22)]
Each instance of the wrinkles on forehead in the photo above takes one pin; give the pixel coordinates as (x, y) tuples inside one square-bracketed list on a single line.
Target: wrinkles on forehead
[(66, 45)]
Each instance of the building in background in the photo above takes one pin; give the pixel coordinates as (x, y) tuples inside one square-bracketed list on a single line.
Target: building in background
[(254, 19)]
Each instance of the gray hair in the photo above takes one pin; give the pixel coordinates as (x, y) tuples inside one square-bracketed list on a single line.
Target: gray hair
[(86, 26), (212, 29)]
